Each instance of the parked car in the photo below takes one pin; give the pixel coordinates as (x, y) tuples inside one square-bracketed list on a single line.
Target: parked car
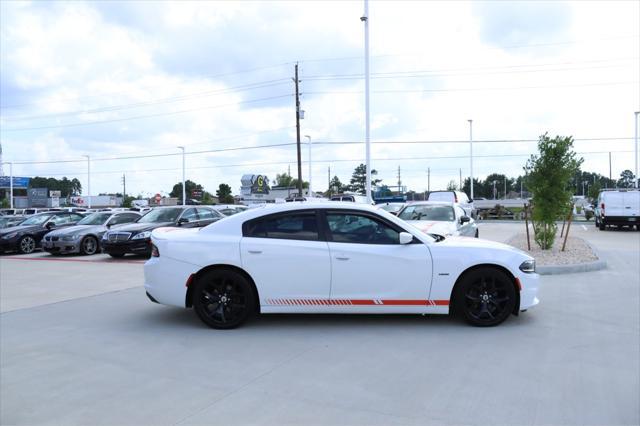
[(135, 237), (12, 211), (26, 236), (85, 236), (392, 208), (619, 207), (334, 258), (7, 221), (352, 198), (440, 218), (457, 197)]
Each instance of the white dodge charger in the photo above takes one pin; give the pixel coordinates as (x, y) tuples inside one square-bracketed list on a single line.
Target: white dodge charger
[(334, 258)]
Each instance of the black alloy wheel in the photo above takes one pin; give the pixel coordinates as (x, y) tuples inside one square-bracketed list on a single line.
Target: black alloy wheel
[(89, 245), (602, 226), (27, 244), (486, 297), (223, 299)]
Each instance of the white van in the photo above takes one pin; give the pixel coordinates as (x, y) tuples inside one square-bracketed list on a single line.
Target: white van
[(454, 197), (620, 207)]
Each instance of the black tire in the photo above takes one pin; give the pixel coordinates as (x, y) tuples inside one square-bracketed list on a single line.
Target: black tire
[(223, 299), (27, 244), (602, 226), (595, 222), (89, 245), (117, 255), (477, 233), (485, 297)]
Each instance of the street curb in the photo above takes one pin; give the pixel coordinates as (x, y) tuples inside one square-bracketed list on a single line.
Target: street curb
[(596, 265)]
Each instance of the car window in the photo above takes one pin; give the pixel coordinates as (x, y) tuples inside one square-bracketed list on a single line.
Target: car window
[(123, 218), (60, 219), (190, 214), (355, 228), (426, 212), (207, 214), (296, 226), (441, 196)]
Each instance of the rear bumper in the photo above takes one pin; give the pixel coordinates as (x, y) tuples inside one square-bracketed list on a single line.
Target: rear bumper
[(620, 220), (165, 280)]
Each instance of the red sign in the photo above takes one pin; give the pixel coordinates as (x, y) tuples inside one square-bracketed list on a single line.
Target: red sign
[(158, 198)]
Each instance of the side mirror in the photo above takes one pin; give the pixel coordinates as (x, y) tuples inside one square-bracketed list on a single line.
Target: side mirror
[(464, 219), (50, 225), (405, 238), (183, 220)]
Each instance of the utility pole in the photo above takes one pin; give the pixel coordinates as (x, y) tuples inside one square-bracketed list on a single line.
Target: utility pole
[(309, 142), (471, 156), (329, 179), (636, 151), (460, 179), (184, 186), (609, 165), (399, 181), (428, 179), (298, 132), (88, 180), (124, 189), (505, 187), (11, 185)]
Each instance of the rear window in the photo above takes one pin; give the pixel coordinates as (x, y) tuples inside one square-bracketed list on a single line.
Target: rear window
[(441, 196), (290, 226)]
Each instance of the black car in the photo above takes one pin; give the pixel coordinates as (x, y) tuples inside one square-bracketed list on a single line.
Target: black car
[(7, 221), (26, 236), (136, 237)]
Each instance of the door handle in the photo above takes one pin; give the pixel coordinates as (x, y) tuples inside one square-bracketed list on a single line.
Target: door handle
[(255, 251), (342, 258)]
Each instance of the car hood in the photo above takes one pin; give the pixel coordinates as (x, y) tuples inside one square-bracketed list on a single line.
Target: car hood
[(141, 227), (78, 230), (479, 243), (434, 227), (20, 228)]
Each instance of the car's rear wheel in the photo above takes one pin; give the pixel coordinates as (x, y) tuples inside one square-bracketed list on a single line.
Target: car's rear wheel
[(89, 245), (116, 255), (486, 297), (602, 226), (27, 244), (223, 299)]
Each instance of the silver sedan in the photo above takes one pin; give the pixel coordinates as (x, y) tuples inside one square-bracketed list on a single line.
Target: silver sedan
[(441, 218), (84, 237)]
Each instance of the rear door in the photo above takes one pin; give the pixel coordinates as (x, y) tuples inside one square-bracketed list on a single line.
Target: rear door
[(369, 266), (207, 216), (614, 205), (189, 218), (287, 259)]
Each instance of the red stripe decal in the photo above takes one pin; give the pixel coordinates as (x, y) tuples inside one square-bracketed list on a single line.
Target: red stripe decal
[(441, 302)]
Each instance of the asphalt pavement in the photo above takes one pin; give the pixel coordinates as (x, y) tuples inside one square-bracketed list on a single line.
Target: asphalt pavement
[(81, 344)]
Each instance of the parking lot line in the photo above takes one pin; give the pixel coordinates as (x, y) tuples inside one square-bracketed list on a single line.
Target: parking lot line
[(73, 260)]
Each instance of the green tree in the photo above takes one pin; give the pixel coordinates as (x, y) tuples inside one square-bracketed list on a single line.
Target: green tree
[(335, 186), (66, 187), (359, 179), (284, 179), (594, 191), (176, 192), (224, 194), (627, 179), (549, 176), (452, 186)]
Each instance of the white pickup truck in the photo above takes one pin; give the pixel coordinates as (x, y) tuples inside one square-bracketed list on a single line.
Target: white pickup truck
[(620, 207)]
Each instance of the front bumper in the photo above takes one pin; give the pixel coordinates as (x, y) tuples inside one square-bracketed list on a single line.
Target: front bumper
[(142, 246), (8, 245), (61, 247), (529, 292)]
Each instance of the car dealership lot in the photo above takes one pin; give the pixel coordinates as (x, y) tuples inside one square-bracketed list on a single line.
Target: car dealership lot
[(80, 343)]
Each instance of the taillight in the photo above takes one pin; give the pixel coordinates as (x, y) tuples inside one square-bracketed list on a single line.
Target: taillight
[(154, 251), (455, 197), (602, 208)]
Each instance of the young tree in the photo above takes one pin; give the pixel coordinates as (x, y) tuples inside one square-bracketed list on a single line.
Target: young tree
[(359, 179), (452, 186), (224, 194), (549, 178), (283, 179), (335, 186), (627, 179)]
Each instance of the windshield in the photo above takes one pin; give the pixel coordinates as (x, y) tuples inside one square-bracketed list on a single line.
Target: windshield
[(391, 207), (161, 215), (95, 219), (435, 213), (36, 220)]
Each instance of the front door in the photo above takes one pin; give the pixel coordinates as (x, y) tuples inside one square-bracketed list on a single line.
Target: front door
[(369, 265)]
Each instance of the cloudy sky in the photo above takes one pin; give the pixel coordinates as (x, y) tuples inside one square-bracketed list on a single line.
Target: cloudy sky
[(128, 82)]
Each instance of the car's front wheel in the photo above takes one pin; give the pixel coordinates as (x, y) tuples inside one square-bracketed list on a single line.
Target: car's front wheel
[(223, 299), (486, 297), (27, 244), (89, 245)]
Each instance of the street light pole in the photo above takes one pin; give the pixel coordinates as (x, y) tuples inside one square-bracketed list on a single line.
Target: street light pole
[(184, 188), (636, 157), (365, 19), (88, 180), (11, 185), (471, 156), (309, 142)]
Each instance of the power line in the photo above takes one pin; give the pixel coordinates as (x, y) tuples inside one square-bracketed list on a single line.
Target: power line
[(260, 85), (162, 114)]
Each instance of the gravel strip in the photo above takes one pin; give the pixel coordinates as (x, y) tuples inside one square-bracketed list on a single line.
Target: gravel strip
[(577, 251)]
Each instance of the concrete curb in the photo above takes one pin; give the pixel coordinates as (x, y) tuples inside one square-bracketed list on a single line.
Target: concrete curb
[(596, 265)]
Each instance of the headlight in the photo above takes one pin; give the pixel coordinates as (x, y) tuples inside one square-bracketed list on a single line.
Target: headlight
[(9, 236), (70, 237), (528, 266), (142, 235)]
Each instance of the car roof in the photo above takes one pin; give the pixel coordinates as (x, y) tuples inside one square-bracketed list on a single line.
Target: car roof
[(432, 203)]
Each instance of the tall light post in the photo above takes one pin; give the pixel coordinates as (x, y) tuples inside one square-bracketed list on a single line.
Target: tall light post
[(471, 156), (10, 183), (184, 188), (636, 138), (88, 180), (365, 19), (309, 142)]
